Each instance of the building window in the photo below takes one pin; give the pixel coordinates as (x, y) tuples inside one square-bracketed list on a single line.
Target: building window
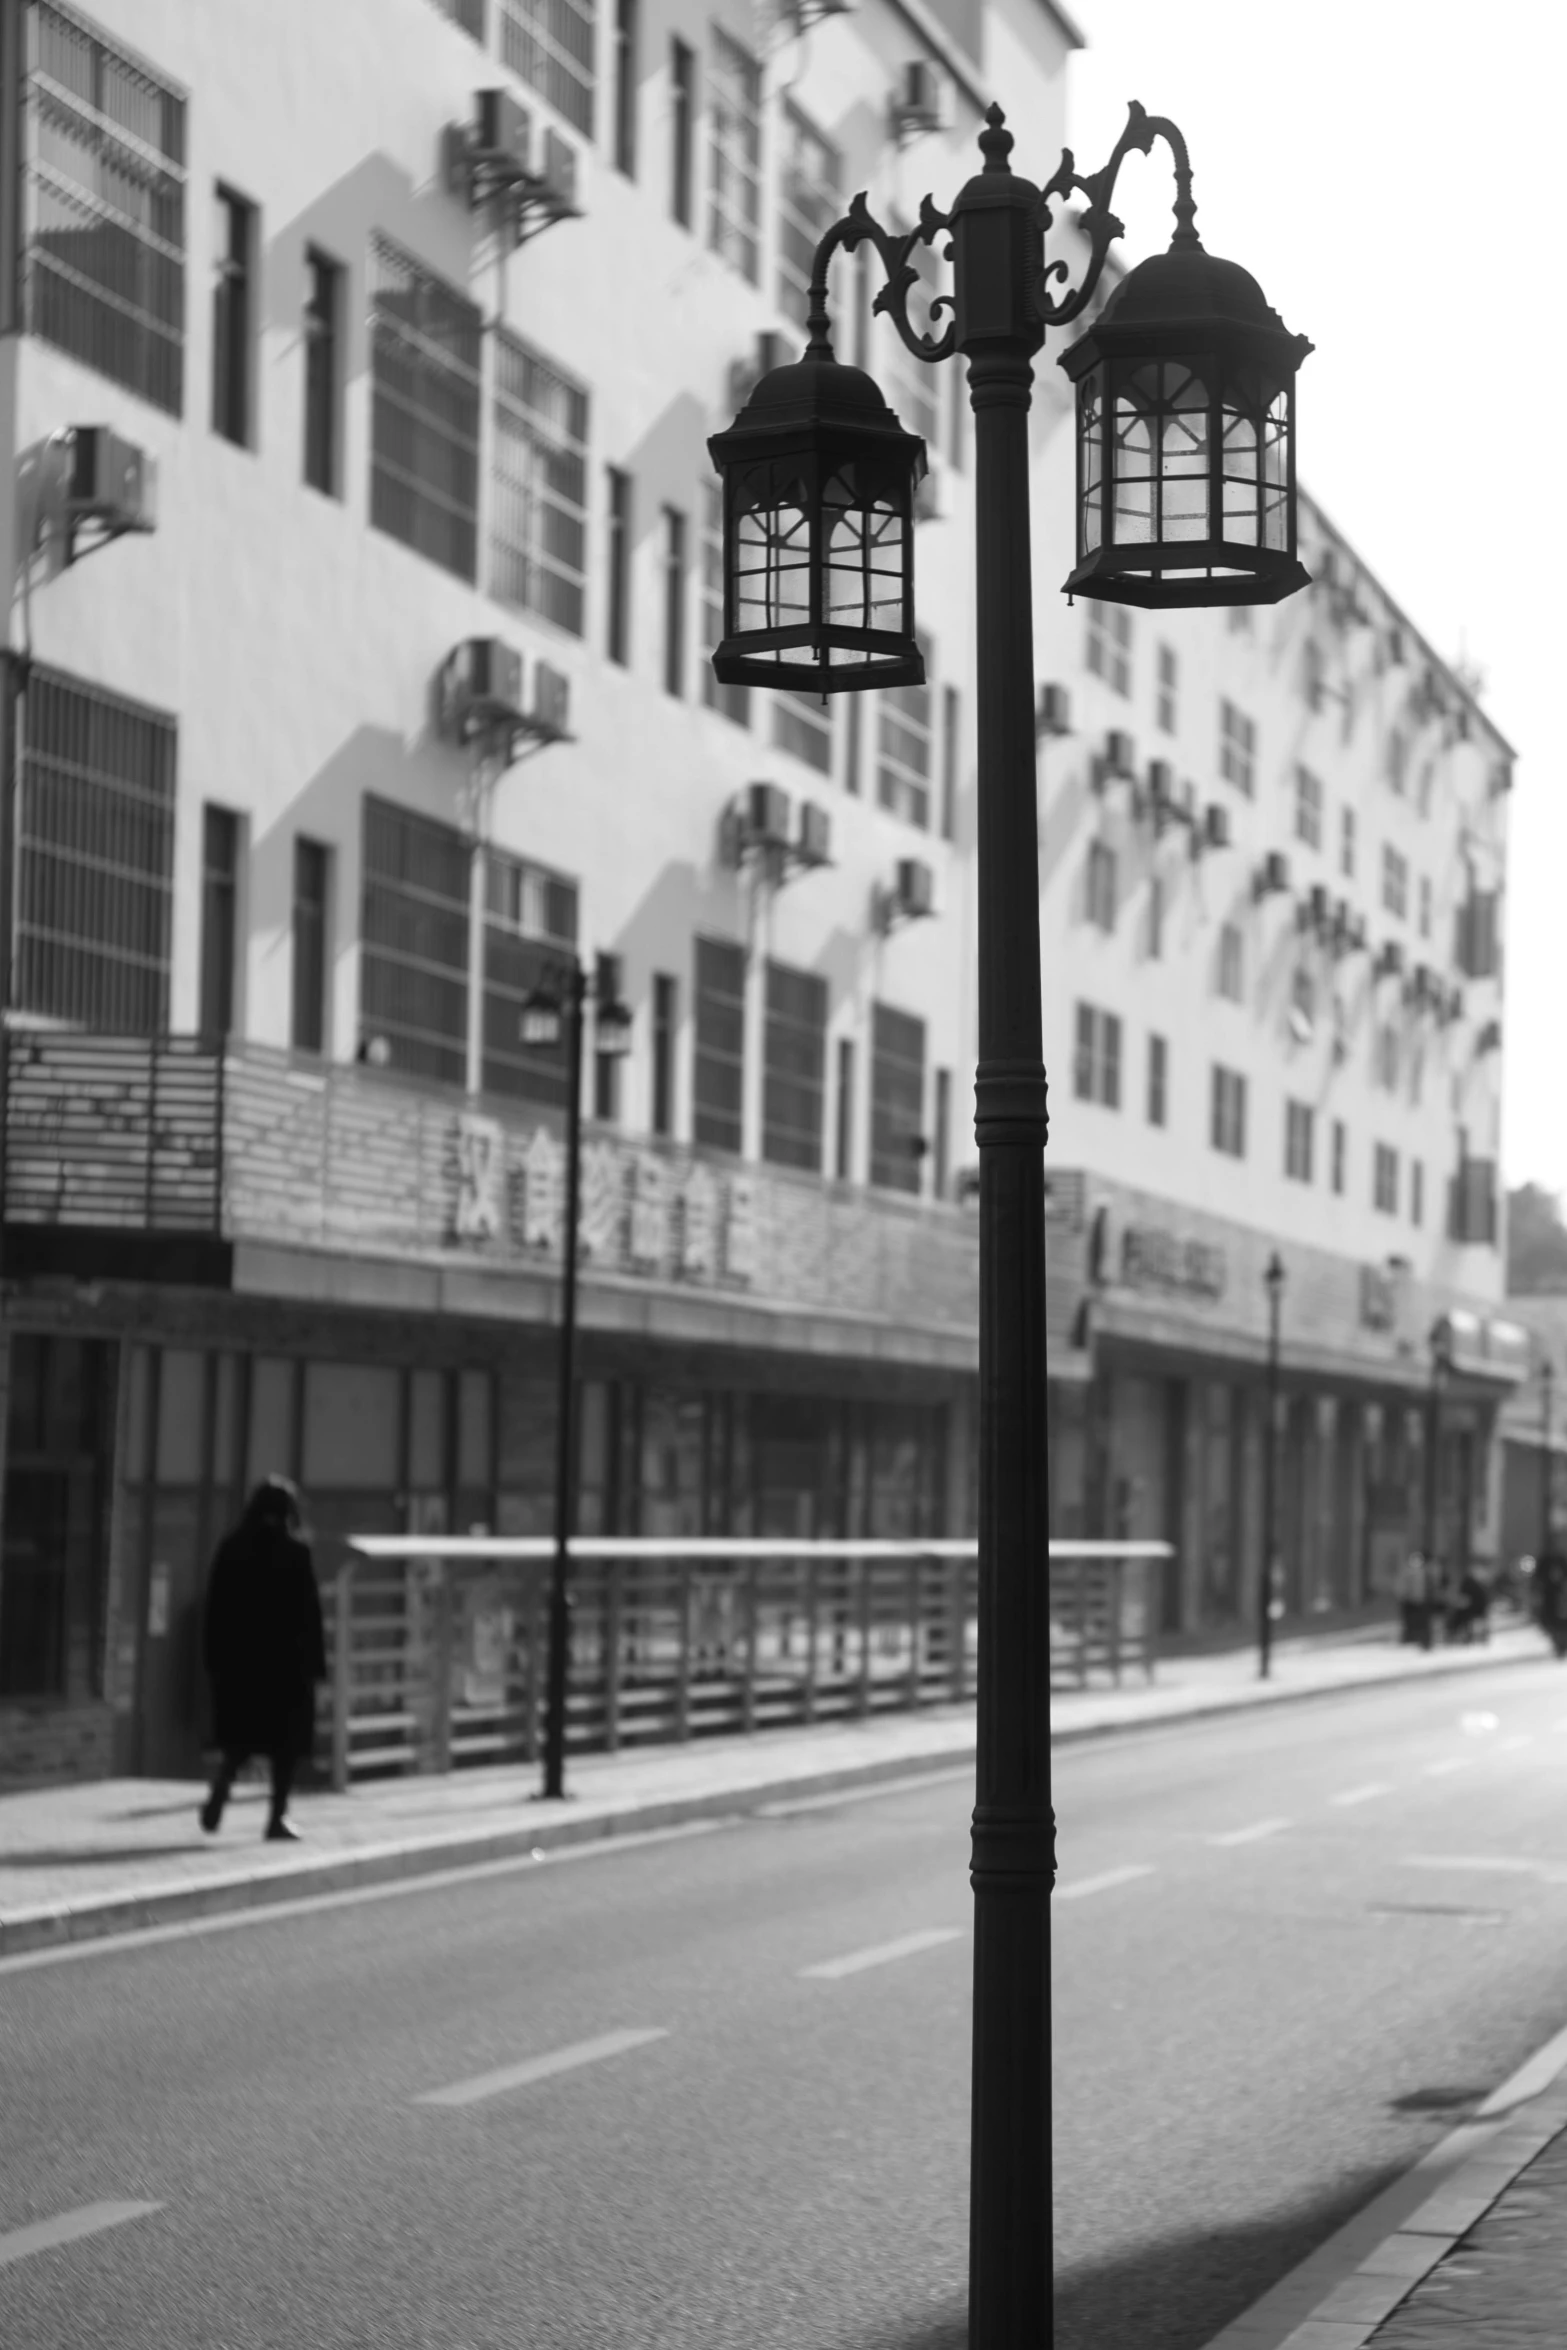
[(617, 584), (1395, 882), (1096, 1063), (1346, 843), (731, 701), (220, 839), (105, 209), (323, 373), (851, 743), (810, 173), (682, 84), (1417, 1191), (1237, 748), (718, 1068), (1472, 1216), (1397, 755), (794, 1068), (95, 856), (903, 749), (843, 1141), (1232, 963), (606, 1087), (666, 998), (941, 1155), (1308, 808), (311, 916), (951, 737), (1109, 645), (232, 312), (1165, 699), (1384, 1180), (1227, 1122), (623, 135), (674, 601), (897, 1098), (734, 90), (425, 342), (530, 914), (538, 488), (549, 44), (1425, 906), (1158, 1081), (1298, 1138), (1385, 1062), (413, 962), (801, 725), (1100, 889), (1340, 1150), (1477, 934), (1155, 917), (59, 1450)]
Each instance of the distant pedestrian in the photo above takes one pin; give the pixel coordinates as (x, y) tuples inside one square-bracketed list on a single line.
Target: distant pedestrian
[(264, 1650), (1414, 1601), (1550, 1598)]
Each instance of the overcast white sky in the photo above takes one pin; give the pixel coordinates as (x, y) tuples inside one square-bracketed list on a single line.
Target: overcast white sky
[(1394, 172)]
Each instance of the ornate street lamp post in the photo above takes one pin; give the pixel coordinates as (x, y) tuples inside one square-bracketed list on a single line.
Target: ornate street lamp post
[(1274, 1281), (1185, 497), (1547, 1396), (551, 1012), (1441, 1341)]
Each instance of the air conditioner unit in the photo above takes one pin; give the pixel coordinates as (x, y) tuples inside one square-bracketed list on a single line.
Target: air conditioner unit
[(502, 138), (1397, 650), (1054, 714), (767, 815), (1390, 960), (1274, 874), (1500, 780), (815, 841), (551, 699), (481, 686), (1215, 826), (922, 100), (112, 482), (916, 889), (1161, 783), (1489, 1039), (746, 374), (1318, 910), (1120, 755), (559, 174)]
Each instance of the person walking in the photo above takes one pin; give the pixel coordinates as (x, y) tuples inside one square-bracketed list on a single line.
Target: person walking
[(264, 1648), (1550, 1598)]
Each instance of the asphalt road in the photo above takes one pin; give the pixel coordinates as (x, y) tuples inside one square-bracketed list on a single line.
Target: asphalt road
[(606, 2099)]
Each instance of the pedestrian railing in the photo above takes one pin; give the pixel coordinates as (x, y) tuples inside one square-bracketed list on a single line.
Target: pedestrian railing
[(437, 1648)]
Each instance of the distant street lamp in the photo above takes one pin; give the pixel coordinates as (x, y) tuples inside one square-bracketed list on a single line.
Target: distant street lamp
[(553, 1011), (1547, 1395), (1273, 1279), (1441, 1343), (1185, 495)]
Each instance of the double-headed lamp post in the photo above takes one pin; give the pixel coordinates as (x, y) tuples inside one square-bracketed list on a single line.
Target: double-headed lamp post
[(1547, 1397), (1273, 1279), (552, 1013), (1185, 495)]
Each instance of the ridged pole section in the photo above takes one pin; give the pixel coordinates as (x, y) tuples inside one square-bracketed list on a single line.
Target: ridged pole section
[(996, 249)]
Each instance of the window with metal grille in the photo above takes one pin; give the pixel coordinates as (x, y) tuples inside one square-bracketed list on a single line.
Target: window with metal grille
[(1232, 963), (1101, 885), (1384, 1180), (617, 583), (311, 920), (734, 96), (550, 44), (733, 701), (538, 487), (1109, 645), (794, 1067), (801, 725), (718, 1067), (425, 342), (897, 1098), (810, 174), (95, 858), (1396, 756), (623, 116), (1340, 1153), (674, 601), (1165, 702), (1477, 934), (1237, 748), (323, 371), (682, 85), (413, 961), (903, 748), (1227, 1120), (1385, 1068), (104, 194), (220, 853), (1395, 882), (530, 916), (665, 1003), (1308, 808), (1096, 1062), (1299, 1124), (232, 305), (1472, 1213), (1158, 1081), (843, 1124)]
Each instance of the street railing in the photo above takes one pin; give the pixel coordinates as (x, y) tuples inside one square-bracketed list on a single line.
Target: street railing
[(436, 1646)]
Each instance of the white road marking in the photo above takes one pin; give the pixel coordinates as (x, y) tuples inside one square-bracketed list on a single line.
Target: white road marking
[(539, 2068), (882, 1953), (1363, 1794), (1450, 1762), (91, 2220), (1252, 1835), (1080, 1890), (1500, 1864)]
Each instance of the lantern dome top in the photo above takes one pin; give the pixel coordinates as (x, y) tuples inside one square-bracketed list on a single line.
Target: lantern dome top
[(819, 387), (1176, 292)]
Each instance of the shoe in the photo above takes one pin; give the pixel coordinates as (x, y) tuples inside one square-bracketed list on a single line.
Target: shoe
[(281, 1832), (211, 1814)]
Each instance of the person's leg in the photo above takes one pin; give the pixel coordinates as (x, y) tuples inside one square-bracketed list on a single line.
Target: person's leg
[(283, 1762), (230, 1764)]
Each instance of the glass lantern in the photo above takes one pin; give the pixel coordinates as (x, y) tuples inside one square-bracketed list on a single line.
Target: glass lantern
[(1186, 439), (818, 502)]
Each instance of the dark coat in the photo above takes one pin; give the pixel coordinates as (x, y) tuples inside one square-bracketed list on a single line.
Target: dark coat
[(262, 1641)]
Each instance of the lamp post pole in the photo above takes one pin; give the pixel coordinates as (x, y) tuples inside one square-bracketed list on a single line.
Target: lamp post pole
[(1274, 1278), (1433, 1438), (1547, 1388), (559, 1651)]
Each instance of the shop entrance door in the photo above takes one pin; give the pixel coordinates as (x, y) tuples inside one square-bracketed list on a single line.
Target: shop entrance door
[(55, 1574)]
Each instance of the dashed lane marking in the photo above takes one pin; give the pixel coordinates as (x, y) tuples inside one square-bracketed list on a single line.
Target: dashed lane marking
[(1083, 1886), (540, 2068), (1252, 1835), (854, 1962), (91, 2220), (1449, 1762), (1495, 1863), (1364, 1794)]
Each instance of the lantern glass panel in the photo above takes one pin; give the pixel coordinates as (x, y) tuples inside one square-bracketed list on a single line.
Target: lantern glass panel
[(865, 562), (1090, 459), (1161, 454), (1255, 428)]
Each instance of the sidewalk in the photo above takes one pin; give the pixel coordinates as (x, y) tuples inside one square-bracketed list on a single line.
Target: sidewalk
[(116, 1855)]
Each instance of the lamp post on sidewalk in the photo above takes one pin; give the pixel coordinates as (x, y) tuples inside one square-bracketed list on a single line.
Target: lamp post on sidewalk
[(1185, 496), (1441, 1338), (1274, 1281), (553, 1011), (1547, 1397)]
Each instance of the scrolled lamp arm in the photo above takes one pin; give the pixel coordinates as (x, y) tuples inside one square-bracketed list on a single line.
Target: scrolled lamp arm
[(857, 227), (1101, 224)]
